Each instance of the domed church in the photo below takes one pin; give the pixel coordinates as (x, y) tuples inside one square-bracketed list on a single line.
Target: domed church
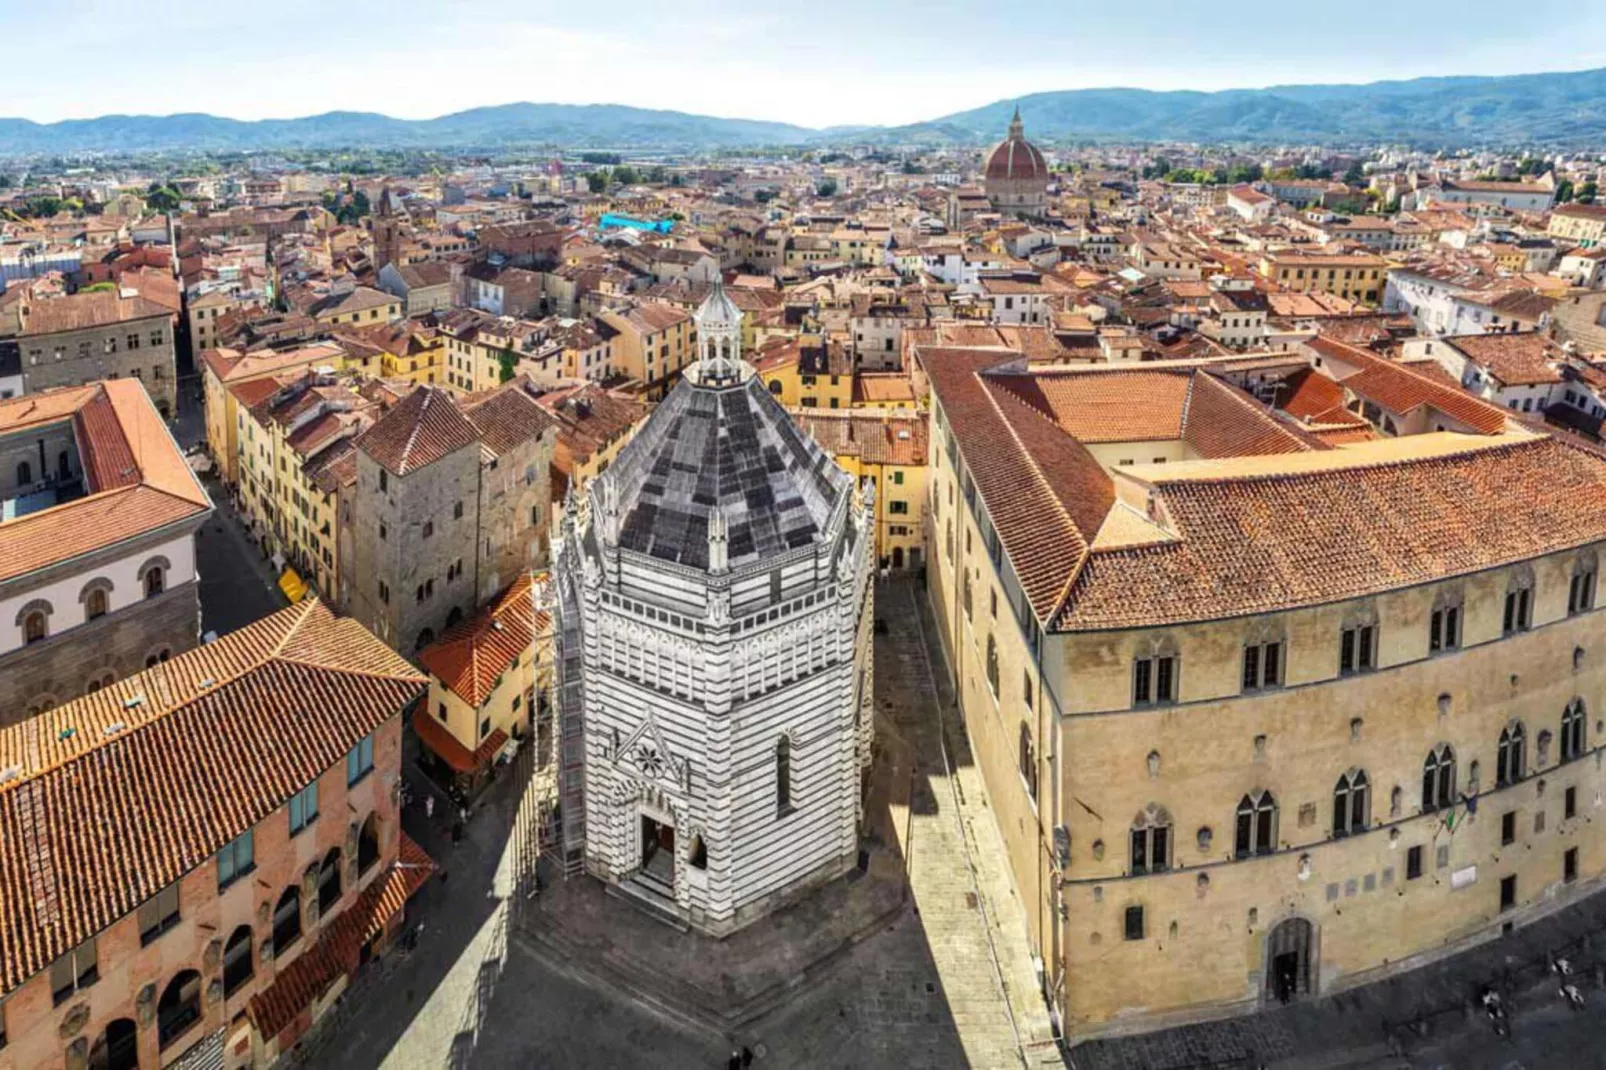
[(714, 651), (1016, 177)]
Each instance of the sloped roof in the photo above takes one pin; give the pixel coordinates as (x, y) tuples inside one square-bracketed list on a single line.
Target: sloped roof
[(418, 430), (136, 478), (1371, 517), (116, 795), (473, 655)]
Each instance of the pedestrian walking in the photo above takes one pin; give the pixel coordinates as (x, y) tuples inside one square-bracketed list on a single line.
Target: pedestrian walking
[(457, 832), (747, 1057), (429, 806), (735, 1062)]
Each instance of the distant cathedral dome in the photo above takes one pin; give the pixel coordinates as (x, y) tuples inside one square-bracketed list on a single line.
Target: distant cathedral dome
[(1015, 157), (1016, 176)]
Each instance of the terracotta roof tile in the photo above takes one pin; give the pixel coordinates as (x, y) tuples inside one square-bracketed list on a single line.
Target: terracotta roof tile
[(1355, 527), (470, 658), (150, 777), (418, 430)]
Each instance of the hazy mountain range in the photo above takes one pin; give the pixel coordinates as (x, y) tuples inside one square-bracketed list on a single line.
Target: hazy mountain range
[(1556, 108)]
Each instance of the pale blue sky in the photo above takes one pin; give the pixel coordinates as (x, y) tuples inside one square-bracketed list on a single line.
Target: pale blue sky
[(816, 63)]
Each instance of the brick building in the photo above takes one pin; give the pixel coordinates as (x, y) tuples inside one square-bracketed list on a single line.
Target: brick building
[(244, 797)]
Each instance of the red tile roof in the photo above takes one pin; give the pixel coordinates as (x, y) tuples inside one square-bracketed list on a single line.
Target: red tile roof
[(470, 658), (110, 798), (1046, 495), (1402, 390), (136, 477), (1263, 543), (418, 430)]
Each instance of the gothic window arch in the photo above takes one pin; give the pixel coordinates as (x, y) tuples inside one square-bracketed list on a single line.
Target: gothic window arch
[(1581, 590), (1438, 778), (1264, 661), (1518, 616), (1256, 825), (1572, 730), (1352, 803), (1444, 623), (1357, 641), (1511, 754), (1156, 672), (1151, 840)]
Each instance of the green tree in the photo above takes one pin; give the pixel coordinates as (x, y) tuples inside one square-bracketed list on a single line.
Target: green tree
[(42, 206), (6, 181), (597, 181), (99, 287), (1355, 176), (1241, 173), (1586, 193), (657, 175), (162, 198), (625, 175), (826, 187), (1564, 191), (764, 196), (507, 361)]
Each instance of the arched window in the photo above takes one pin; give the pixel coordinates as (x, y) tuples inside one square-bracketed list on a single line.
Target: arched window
[(155, 579), (238, 966), (775, 386), (1438, 778), (992, 665), (329, 882), (1027, 760), (783, 776), (1444, 625), (1257, 825), (1151, 840), (35, 626), (698, 855), (24, 475), (1581, 592), (96, 602), (425, 637), (1510, 757), (1351, 803), (287, 919), (1263, 657), (368, 844), (1572, 730), (1519, 602), (179, 1007), (1156, 672), (966, 596), (1357, 642)]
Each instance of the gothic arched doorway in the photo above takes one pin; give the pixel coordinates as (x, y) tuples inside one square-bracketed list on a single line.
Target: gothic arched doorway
[(1290, 951), (117, 1048)]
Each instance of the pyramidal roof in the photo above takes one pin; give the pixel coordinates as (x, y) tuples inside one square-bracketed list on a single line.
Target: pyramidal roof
[(731, 450)]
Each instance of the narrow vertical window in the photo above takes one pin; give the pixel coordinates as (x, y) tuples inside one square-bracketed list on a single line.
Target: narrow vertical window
[(783, 776)]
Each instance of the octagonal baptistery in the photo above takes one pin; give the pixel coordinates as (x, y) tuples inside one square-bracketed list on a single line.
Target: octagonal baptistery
[(714, 662), (1016, 175)]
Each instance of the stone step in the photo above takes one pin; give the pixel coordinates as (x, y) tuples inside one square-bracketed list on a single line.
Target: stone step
[(651, 896)]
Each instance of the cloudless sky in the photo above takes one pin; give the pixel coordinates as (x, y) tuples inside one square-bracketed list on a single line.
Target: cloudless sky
[(816, 63)]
